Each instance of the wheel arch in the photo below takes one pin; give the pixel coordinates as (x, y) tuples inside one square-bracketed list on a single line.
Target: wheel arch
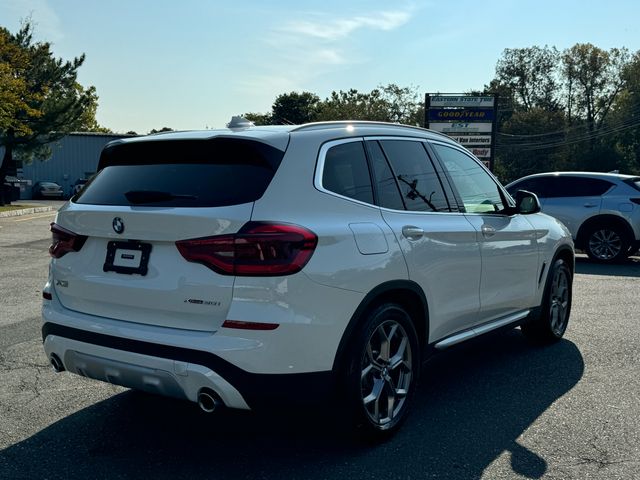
[(604, 219), (407, 294), (565, 253)]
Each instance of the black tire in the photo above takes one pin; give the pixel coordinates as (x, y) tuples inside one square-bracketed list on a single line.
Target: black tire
[(551, 323), (380, 381), (606, 243)]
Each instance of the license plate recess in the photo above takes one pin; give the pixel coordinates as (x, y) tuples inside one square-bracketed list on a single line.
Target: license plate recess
[(128, 257)]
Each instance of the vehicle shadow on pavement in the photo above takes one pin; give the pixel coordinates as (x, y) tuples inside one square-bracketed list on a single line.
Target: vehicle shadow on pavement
[(473, 404), (629, 268)]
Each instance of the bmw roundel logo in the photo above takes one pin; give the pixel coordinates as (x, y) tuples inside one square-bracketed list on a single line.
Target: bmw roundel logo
[(118, 225)]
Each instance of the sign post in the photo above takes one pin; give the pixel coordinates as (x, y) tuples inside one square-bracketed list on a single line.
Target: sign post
[(470, 120)]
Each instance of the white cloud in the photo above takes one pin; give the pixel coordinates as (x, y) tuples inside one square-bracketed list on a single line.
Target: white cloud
[(342, 27), (310, 48)]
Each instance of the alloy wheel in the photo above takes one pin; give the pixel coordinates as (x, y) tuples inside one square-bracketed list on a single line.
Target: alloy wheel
[(605, 244), (559, 302), (387, 373)]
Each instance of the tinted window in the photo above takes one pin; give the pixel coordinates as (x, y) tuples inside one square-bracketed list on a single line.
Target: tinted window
[(478, 191), (420, 185), (578, 187), (387, 188), (346, 172), (538, 185), (634, 182), (182, 173)]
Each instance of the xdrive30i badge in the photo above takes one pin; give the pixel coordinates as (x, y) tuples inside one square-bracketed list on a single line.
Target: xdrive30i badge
[(118, 225)]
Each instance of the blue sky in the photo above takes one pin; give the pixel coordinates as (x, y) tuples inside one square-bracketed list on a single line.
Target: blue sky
[(192, 64)]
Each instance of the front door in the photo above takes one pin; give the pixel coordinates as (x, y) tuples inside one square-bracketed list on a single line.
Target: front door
[(508, 243)]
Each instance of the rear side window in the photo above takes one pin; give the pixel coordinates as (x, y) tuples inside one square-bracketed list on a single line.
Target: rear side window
[(562, 186), (186, 173), (418, 181), (346, 172)]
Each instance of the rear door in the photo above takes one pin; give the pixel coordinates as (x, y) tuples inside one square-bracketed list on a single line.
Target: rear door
[(132, 213), (439, 244)]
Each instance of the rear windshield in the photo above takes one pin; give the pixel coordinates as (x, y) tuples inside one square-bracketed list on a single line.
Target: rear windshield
[(185, 173)]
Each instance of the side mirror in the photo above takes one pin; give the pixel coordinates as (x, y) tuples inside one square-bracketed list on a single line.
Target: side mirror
[(527, 202)]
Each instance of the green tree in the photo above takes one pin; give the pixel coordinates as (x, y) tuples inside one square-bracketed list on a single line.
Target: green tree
[(294, 108), (42, 100), (593, 80), (389, 103), (404, 104), (531, 142), (624, 118), (531, 75), (354, 105), (565, 111), (88, 121), (163, 129), (259, 118)]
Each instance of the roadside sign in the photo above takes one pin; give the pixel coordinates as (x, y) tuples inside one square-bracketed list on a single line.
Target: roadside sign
[(460, 115), (480, 152), (462, 101), (460, 127), (468, 119), (472, 139)]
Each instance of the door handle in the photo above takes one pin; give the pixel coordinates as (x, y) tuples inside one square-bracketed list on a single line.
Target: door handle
[(590, 205), (412, 232), (488, 230)]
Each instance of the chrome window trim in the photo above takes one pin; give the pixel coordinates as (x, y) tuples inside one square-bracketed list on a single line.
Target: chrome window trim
[(322, 154), (317, 181)]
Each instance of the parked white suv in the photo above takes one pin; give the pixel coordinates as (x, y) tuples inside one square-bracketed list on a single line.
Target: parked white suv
[(261, 265), (601, 210)]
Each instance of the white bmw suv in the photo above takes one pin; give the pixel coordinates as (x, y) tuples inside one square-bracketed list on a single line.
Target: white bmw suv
[(256, 266)]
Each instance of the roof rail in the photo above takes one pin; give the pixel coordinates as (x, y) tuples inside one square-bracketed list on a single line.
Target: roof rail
[(365, 123)]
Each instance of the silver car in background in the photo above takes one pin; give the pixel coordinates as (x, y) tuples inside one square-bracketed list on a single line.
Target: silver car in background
[(601, 210)]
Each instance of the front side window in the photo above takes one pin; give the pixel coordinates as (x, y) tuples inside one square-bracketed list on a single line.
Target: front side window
[(478, 191), (415, 175), (346, 172), (537, 185)]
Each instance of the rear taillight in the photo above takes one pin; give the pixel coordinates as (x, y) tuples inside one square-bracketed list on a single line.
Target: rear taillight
[(258, 249), (64, 241)]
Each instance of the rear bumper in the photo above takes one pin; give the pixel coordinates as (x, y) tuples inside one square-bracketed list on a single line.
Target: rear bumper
[(177, 371)]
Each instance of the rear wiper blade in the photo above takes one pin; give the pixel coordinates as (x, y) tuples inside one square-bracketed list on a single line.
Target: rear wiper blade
[(151, 196)]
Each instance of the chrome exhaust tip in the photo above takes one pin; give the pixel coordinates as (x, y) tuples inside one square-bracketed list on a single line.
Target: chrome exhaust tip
[(56, 363), (208, 401)]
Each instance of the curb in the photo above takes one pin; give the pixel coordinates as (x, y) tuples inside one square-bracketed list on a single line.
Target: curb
[(26, 211)]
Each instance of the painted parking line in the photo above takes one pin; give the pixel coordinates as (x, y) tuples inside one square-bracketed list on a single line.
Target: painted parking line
[(32, 217)]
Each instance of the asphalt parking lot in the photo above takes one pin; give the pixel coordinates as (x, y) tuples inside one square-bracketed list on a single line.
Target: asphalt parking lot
[(499, 408)]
